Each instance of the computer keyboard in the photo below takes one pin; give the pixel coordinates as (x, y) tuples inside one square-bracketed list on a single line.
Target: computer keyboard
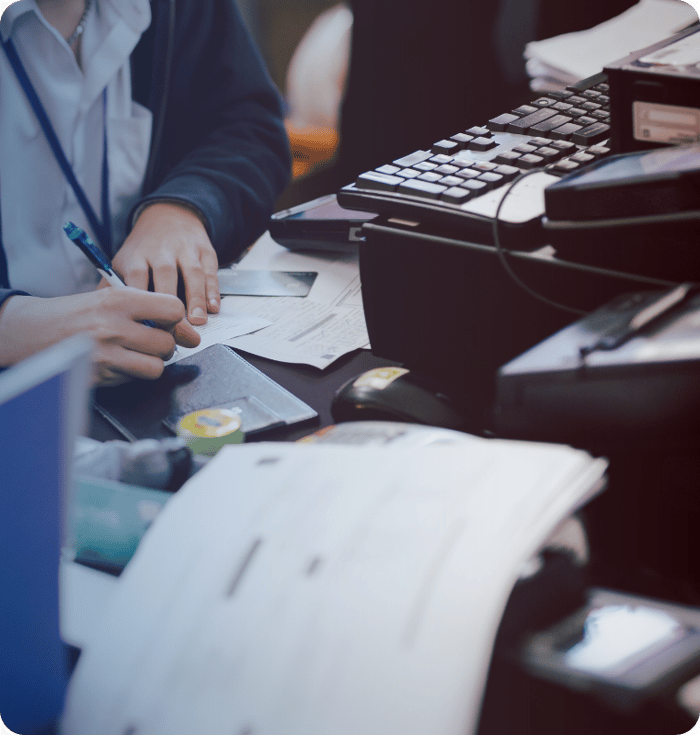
[(458, 183)]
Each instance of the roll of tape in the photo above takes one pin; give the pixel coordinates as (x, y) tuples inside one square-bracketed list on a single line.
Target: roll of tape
[(209, 429)]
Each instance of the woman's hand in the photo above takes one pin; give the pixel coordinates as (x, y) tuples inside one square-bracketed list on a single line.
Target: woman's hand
[(169, 240), (124, 347)]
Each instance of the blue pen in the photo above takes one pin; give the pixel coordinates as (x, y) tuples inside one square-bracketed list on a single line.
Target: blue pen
[(97, 258)]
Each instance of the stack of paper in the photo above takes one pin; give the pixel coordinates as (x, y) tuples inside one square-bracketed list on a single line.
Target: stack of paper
[(556, 62), (321, 589), (313, 330)]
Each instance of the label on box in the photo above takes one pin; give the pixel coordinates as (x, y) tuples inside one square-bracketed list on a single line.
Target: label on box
[(656, 123)]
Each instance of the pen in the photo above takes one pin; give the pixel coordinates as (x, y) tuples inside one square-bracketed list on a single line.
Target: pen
[(98, 259)]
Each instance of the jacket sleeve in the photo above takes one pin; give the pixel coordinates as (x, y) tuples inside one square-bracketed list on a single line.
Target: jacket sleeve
[(224, 148)]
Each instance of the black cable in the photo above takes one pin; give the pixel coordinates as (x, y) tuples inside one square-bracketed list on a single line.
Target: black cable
[(501, 251)]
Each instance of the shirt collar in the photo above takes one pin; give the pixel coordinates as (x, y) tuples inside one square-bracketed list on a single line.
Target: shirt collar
[(135, 13), (13, 13)]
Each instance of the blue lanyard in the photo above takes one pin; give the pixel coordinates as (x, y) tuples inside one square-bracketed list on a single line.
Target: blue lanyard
[(102, 229)]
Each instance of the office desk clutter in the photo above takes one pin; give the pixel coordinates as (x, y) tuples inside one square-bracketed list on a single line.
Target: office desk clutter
[(292, 588)]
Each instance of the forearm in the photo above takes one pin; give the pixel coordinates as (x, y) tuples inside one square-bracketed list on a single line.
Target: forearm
[(224, 148), (124, 346)]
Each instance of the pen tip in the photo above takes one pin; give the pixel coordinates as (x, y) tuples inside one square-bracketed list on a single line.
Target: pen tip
[(70, 229)]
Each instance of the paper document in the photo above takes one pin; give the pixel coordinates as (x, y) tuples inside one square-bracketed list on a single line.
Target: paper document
[(294, 589), (220, 328), (303, 331), (562, 60), (315, 330)]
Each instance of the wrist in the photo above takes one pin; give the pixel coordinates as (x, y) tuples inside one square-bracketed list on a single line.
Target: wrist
[(13, 335), (169, 207)]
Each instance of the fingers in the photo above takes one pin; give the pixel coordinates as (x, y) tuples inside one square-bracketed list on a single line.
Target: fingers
[(195, 291), (210, 264), (114, 365), (164, 310), (185, 334), (134, 271)]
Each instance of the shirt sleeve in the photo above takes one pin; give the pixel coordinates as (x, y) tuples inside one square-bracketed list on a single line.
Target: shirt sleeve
[(223, 149)]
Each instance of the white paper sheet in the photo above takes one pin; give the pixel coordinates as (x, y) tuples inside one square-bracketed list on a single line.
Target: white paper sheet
[(309, 590), (315, 330), (578, 55), (221, 327), (303, 331)]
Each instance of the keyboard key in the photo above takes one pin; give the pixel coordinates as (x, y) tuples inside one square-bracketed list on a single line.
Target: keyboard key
[(453, 180), (446, 169), (523, 124), (492, 180), (599, 151), (560, 94), (462, 162), (479, 132), (456, 195), (563, 145), (507, 172), (582, 157), (576, 112), (430, 176), (508, 157), (538, 141), (446, 146), (424, 166), (475, 186), (424, 189), (528, 161), (482, 144), (542, 102), (592, 134), (590, 94), (585, 120), (562, 106), (408, 173), (600, 114), (564, 131), (549, 155), (440, 158), (483, 166), (376, 180), (525, 148), (602, 87), (388, 169), (468, 173), (577, 100), (500, 123), (547, 125), (412, 158), (461, 139), (564, 167)]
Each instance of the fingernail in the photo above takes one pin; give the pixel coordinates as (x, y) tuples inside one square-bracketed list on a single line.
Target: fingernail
[(214, 303), (198, 313)]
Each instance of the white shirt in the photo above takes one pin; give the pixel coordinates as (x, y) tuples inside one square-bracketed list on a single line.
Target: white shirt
[(35, 198)]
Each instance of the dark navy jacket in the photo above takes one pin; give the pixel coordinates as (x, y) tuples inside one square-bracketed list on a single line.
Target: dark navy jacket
[(218, 138)]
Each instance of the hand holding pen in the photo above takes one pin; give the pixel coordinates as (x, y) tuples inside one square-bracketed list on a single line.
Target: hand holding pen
[(134, 330)]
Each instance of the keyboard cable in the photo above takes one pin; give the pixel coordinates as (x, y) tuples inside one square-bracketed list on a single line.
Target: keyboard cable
[(501, 252)]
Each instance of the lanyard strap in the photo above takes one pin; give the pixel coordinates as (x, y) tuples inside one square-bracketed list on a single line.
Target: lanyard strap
[(102, 229)]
